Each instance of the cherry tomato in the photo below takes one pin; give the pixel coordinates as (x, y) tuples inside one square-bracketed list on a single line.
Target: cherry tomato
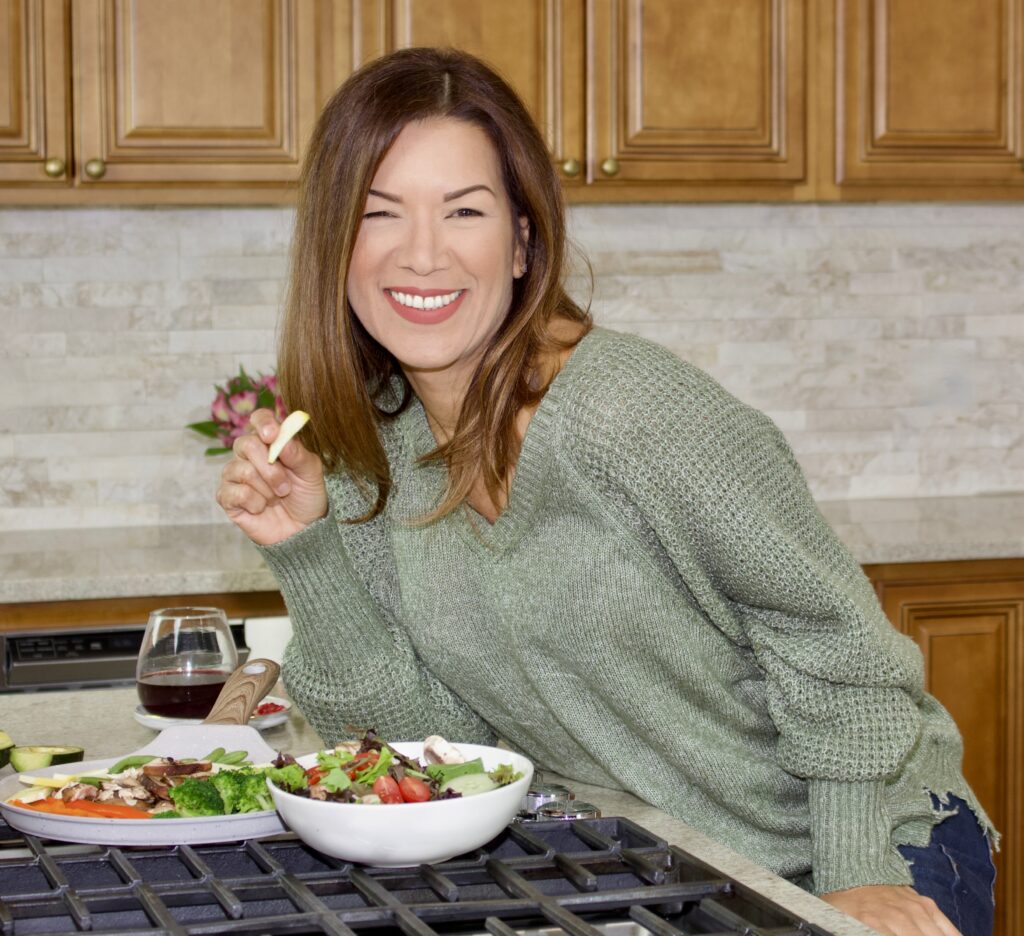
[(315, 774), (414, 790), (386, 788)]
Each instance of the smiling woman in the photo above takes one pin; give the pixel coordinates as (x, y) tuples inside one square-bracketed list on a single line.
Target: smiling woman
[(438, 193), (507, 523)]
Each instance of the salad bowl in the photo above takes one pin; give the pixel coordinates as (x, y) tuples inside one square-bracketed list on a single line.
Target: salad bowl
[(400, 834)]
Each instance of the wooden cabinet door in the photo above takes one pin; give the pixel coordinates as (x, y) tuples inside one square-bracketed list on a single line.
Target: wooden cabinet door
[(696, 91), (969, 629), (34, 92), (929, 92), (193, 92), (536, 45)]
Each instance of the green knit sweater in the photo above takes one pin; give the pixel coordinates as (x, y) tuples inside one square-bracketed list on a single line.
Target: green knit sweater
[(660, 609)]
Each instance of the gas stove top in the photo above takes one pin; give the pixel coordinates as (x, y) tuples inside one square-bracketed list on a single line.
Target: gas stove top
[(582, 877)]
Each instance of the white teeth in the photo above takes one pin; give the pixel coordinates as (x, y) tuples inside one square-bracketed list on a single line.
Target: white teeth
[(424, 302)]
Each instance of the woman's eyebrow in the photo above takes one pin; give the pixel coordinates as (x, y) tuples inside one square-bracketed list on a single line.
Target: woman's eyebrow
[(451, 196)]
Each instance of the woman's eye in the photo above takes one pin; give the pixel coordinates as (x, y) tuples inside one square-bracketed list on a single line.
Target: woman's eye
[(377, 214), (467, 213)]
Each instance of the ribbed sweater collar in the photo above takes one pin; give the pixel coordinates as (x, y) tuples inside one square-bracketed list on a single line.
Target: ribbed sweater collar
[(536, 458)]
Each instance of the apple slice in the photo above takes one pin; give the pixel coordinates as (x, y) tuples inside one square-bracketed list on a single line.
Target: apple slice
[(292, 424)]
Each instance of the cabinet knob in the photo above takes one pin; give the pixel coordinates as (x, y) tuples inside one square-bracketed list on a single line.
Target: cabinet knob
[(54, 168), (571, 167), (610, 166), (95, 168)]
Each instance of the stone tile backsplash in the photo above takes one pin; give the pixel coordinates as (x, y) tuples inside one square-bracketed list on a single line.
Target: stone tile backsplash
[(887, 341)]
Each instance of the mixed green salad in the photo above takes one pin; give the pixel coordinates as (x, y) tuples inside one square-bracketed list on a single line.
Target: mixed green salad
[(374, 772)]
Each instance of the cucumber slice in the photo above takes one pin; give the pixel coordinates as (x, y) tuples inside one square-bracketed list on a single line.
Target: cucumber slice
[(5, 748), (470, 784), (36, 757)]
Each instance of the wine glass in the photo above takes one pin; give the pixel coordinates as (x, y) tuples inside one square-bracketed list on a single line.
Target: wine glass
[(186, 657)]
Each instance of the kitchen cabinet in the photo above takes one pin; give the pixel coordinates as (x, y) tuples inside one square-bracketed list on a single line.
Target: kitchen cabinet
[(193, 101), (968, 617), (35, 142), (537, 46), (166, 100), (697, 93), (928, 98), (638, 99)]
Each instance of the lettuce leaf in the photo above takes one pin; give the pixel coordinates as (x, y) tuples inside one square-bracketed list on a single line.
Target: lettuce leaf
[(442, 773)]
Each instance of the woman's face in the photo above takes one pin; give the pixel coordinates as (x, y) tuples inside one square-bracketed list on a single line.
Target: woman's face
[(436, 252)]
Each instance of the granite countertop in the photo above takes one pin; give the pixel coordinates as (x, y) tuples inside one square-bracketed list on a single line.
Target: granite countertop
[(53, 565), (101, 721)]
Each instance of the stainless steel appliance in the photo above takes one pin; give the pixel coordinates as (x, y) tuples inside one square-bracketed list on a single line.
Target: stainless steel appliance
[(76, 659), (583, 877)]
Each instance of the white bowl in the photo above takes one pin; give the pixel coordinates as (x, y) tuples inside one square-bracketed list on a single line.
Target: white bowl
[(398, 834)]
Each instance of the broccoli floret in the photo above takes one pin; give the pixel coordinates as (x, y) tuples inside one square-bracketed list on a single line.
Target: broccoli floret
[(243, 791), (167, 814), (197, 798)]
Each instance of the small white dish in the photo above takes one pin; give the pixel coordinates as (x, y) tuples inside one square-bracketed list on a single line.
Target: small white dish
[(262, 722)]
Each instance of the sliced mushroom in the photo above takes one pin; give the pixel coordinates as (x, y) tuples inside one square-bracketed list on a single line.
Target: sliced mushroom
[(438, 751)]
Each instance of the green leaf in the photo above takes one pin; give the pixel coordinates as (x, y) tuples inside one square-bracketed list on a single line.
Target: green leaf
[(206, 428), (374, 771), (265, 398), (336, 780), (442, 773), (504, 774), (217, 451), (329, 760)]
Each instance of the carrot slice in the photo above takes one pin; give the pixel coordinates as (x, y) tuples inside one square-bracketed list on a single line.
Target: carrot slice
[(87, 808)]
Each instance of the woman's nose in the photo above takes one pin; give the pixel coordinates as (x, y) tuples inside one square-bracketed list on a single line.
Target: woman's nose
[(422, 251)]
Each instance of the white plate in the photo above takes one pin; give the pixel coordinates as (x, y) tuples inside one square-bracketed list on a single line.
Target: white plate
[(262, 722), (131, 831)]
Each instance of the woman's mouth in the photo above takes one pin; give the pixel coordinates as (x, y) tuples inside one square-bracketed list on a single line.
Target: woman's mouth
[(424, 306)]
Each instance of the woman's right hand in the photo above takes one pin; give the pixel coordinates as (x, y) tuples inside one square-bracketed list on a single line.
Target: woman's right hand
[(271, 502)]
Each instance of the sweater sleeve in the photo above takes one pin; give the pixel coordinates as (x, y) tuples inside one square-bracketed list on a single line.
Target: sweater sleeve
[(721, 495), (349, 661)]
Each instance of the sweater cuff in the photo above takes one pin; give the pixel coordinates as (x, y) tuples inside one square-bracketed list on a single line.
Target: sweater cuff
[(851, 836), (313, 569)]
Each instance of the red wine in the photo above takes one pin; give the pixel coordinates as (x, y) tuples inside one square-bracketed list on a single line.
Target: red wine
[(181, 695)]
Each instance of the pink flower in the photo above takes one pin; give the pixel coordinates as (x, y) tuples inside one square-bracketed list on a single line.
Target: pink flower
[(219, 408), (242, 404)]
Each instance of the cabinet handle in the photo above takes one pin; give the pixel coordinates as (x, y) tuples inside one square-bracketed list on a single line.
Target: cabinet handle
[(54, 168), (571, 167), (95, 168), (610, 166)]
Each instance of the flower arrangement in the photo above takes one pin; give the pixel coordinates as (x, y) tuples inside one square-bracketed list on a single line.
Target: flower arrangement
[(234, 404)]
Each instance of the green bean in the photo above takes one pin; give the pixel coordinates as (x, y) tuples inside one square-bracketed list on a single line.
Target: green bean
[(232, 757), (136, 760), (215, 755), (92, 781)]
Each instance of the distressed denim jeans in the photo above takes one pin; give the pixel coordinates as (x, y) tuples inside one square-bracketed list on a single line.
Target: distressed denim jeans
[(955, 869)]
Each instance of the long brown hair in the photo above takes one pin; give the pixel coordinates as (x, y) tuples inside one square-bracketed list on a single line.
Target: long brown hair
[(329, 365)]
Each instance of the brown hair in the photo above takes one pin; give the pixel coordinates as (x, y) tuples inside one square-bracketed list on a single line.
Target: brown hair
[(328, 364)]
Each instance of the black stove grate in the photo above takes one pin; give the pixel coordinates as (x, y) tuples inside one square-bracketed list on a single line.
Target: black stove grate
[(541, 875)]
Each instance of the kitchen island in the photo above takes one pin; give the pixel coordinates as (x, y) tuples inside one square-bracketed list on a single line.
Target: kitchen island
[(100, 720)]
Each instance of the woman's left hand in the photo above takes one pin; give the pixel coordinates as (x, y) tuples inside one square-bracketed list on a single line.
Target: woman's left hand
[(893, 911)]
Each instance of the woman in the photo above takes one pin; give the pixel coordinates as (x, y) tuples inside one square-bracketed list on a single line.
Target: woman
[(508, 523)]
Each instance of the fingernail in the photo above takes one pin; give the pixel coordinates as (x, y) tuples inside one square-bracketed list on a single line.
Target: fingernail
[(283, 489)]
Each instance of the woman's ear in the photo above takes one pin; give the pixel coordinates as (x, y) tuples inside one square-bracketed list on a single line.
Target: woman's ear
[(522, 242)]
